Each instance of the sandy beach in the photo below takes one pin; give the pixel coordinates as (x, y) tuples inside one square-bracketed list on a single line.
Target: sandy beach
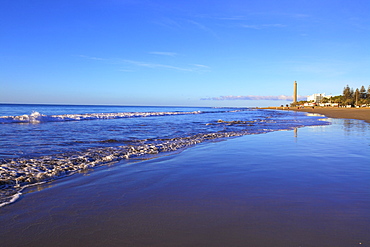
[(347, 113)]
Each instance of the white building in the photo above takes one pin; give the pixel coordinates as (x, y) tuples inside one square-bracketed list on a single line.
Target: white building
[(317, 97)]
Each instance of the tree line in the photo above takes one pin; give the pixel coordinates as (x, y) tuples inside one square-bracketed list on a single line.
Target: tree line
[(351, 97)]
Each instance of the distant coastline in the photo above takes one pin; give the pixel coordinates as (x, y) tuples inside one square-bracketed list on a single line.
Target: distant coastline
[(332, 112)]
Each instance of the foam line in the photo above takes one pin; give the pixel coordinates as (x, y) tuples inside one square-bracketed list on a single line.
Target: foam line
[(36, 117)]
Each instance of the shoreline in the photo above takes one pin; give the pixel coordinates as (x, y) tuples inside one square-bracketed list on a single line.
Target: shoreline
[(258, 190), (331, 112)]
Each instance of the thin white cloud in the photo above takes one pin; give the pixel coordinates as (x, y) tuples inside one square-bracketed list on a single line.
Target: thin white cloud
[(255, 97), (191, 68), (134, 63), (233, 18), (168, 23), (251, 26), (92, 58), (198, 25), (201, 66), (204, 28), (300, 16), (155, 65), (171, 54), (323, 67), (263, 26), (125, 70)]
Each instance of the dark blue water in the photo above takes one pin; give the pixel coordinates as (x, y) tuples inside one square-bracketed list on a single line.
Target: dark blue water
[(43, 142)]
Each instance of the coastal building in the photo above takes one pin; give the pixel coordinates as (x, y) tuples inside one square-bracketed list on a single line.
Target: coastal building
[(316, 98), (329, 104)]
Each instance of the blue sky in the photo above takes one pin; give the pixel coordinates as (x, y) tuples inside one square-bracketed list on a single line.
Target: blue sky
[(190, 53)]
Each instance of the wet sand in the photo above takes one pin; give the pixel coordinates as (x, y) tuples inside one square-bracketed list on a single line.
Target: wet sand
[(308, 187), (334, 112)]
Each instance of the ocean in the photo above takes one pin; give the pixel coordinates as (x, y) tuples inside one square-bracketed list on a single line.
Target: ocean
[(182, 176), (40, 143)]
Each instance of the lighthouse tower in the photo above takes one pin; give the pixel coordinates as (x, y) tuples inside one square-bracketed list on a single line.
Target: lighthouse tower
[(295, 92)]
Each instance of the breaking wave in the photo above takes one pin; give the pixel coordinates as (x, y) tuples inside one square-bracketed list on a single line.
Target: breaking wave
[(18, 173), (36, 117)]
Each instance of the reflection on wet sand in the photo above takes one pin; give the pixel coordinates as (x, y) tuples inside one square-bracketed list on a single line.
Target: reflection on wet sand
[(295, 132), (355, 125)]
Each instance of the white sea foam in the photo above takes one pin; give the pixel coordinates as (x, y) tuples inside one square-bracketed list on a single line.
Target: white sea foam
[(16, 195), (36, 117), (16, 174), (12, 199)]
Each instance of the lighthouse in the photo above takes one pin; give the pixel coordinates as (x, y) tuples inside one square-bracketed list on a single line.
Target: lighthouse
[(295, 92)]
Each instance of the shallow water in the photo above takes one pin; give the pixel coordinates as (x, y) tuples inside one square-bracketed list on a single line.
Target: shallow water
[(304, 187), (44, 142)]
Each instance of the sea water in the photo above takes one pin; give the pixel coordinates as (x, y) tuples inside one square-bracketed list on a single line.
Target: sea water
[(40, 143)]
